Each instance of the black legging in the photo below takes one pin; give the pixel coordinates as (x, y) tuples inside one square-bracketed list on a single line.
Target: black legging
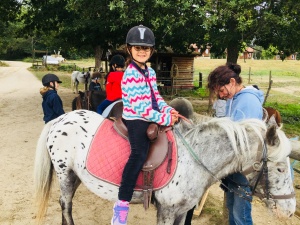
[(139, 144)]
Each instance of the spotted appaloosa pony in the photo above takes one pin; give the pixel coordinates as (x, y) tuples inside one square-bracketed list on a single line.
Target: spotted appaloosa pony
[(64, 144), (79, 77)]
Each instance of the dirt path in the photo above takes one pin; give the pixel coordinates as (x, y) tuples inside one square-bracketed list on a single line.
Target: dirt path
[(21, 123)]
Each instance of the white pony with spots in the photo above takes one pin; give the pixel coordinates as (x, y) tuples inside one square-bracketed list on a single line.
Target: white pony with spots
[(207, 152)]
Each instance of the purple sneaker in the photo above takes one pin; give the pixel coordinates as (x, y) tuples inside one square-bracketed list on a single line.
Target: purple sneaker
[(120, 215)]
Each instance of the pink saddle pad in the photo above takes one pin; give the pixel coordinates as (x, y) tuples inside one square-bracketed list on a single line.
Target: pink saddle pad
[(109, 152)]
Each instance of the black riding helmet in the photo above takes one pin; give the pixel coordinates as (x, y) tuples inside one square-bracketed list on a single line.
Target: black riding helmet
[(50, 78), (140, 36), (118, 60)]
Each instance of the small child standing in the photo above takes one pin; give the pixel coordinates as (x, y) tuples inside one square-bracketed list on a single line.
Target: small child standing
[(52, 104), (94, 84), (220, 107), (142, 104)]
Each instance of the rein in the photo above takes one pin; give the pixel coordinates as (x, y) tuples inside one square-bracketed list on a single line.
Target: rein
[(196, 158), (260, 165)]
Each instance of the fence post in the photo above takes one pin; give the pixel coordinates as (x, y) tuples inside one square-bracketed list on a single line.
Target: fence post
[(269, 88), (200, 80), (249, 75)]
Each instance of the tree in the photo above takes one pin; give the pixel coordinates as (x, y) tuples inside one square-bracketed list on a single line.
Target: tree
[(9, 10), (9, 26), (279, 26), (104, 24), (229, 23)]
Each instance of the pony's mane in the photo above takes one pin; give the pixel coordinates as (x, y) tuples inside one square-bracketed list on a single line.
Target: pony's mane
[(237, 132)]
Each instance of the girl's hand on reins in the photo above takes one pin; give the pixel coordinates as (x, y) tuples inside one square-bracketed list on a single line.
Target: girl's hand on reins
[(174, 119), (174, 115)]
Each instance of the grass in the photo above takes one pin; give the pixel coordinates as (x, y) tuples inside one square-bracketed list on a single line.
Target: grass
[(3, 64), (283, 96), (285, 75)]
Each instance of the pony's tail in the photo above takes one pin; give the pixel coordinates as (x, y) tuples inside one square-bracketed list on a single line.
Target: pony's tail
[(43, 171)]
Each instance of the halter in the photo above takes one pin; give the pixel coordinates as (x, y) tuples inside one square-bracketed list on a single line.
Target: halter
[(260, 165)]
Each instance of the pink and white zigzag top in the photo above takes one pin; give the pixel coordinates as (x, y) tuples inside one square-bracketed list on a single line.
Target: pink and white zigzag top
[(136, 96)]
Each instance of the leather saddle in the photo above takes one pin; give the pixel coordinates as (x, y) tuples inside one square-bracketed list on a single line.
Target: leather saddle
[(160, 150)]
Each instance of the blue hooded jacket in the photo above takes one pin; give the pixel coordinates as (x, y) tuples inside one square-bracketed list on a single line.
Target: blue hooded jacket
[(52, 105), (245, 104)]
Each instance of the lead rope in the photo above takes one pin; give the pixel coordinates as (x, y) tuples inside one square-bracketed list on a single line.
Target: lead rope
[(200, 163)]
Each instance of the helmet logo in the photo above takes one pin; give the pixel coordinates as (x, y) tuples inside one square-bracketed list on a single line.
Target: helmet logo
[(142, 32)]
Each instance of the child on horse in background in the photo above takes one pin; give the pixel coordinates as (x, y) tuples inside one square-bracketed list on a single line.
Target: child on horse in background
[(52, 104), (94, 84), (113, 82), (142, 104)]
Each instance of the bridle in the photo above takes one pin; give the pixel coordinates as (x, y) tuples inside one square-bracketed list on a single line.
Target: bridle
[(260, 166)]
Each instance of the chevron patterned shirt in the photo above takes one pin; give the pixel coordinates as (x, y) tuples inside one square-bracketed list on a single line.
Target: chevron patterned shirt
[(136, 97)]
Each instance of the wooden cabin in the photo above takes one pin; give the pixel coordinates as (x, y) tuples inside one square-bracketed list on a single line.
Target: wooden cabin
[(247, 54), (173, 71), (290, 57)]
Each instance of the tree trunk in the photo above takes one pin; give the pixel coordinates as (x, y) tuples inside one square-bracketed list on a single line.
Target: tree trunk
[(232, 51), (234, 43), (98, 55)]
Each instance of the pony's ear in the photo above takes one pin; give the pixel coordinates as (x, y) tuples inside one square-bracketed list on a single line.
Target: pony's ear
[(272, 121), (184, 125), (265, 115), (81, 94), (271, 136)]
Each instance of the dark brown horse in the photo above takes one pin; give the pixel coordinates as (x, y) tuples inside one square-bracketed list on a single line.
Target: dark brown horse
[(91, 99)]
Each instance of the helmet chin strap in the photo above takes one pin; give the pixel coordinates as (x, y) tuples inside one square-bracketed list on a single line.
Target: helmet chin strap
[(53, 87)]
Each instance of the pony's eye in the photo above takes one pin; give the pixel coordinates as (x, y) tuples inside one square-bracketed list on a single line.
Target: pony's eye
[(281, 167)]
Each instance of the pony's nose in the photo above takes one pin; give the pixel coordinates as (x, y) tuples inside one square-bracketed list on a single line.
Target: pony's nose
[(291, 215)]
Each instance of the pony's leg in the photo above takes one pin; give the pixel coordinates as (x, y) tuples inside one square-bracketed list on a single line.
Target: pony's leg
[(166, 215), (68, 187), (180, 219), (76, 85)]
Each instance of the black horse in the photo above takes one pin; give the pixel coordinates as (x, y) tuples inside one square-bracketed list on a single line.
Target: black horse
[(91, 99)]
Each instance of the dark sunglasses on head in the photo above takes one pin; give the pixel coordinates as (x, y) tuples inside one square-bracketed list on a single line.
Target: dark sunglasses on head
[(142, 48)]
